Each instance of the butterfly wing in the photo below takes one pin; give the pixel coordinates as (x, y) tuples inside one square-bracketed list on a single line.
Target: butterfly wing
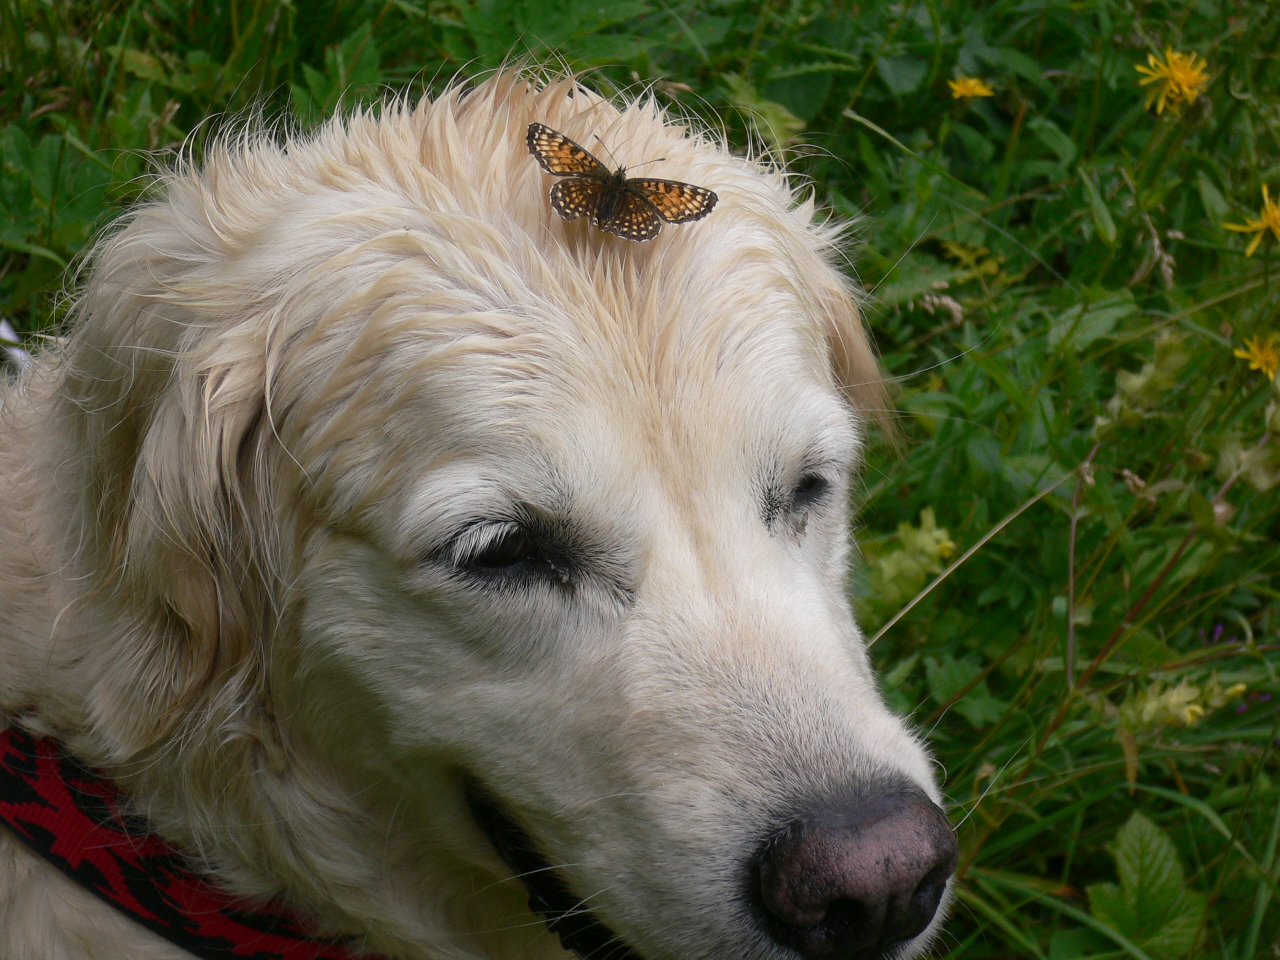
[(560, 156), (675, 202), (576, 197), (634, 218), (632, 209)]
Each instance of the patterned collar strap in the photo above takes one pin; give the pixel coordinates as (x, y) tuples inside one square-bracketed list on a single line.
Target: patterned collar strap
[(71, 817)]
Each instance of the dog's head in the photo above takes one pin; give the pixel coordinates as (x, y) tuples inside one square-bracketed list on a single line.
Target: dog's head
[(467, 542)]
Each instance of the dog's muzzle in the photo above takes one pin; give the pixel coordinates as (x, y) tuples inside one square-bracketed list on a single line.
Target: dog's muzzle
[(851, 881), (580, 931)]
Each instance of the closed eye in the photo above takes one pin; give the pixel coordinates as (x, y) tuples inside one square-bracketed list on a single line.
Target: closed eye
[(810, 490), (506, 551)]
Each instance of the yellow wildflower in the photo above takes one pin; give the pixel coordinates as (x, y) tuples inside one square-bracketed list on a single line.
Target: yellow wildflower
[(1269, 220), (966, 88), (1192, 713), (1262, 355), (1181, 77)]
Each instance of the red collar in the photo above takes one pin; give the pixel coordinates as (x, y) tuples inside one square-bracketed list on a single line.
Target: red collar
[(71, 816)]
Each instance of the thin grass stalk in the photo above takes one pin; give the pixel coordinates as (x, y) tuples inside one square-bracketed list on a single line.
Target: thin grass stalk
[(960, 561), (1155, 584), (1115, 637), (1085, 475), (1262, 893)]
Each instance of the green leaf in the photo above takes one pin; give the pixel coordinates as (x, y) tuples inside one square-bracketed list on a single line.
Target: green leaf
[(896, 676), (1147, 863), (803, 89), (947, 677), (1151, 905), (1201, 510), (984, 453), (1145, 649), (902, 75), (351, 70), (34, 250), (142, 65), (979, 147), (1079, 326), (1076, 944), (1107, 903), (1051, 135), (1106, 227), (1215, 205), (1017, 62), (913, 276), (776, 125)]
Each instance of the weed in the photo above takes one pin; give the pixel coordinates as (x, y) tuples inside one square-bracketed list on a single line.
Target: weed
[(1080, 600)]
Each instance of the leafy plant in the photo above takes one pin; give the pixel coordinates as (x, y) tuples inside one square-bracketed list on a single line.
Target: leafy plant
[(1071, 567), (1151, 907)]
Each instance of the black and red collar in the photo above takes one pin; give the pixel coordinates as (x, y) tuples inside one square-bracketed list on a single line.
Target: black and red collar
[(72, 817)]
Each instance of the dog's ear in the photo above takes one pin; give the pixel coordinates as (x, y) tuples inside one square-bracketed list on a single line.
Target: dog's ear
[(179, 529), (853, 359)]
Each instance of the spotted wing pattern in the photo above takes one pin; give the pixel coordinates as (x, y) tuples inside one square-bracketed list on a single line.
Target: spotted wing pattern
[(560, 156), (634, 218), (576, 197), (635, 207), (676, 202)]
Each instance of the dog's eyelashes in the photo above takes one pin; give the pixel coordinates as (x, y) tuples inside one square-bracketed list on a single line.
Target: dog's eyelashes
[(809, 490), (504, 550), (510, 549)]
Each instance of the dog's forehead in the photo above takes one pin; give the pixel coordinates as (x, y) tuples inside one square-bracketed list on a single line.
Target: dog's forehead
[(547, 378), (600, 393), (423, 295)]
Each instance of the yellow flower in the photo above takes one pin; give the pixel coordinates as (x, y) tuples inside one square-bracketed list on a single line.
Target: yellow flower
[(1262, 355), (1270, 220), (1181, 77), (966, 88)]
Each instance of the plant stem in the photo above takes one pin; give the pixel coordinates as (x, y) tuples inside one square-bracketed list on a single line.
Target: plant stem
[(1262, 895), (959, 561), (1084, 475)]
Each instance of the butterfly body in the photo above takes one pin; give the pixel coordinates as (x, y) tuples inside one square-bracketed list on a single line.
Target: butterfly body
[(633, 208), (611, 195)]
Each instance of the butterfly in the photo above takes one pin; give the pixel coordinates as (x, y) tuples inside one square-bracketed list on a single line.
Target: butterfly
[(629, 207)]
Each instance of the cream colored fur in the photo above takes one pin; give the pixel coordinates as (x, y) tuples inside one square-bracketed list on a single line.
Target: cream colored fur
[(235, 502)]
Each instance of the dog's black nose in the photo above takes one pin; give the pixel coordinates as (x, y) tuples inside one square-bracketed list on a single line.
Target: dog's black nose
[(852, 882)]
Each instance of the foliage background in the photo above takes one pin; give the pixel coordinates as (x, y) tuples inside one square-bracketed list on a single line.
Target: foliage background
[(1055, 295)]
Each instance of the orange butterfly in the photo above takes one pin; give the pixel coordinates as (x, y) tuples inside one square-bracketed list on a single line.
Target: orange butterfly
[(629, 207)]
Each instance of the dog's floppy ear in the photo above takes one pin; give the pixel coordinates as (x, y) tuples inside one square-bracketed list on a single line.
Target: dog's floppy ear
[(165, 399), (853, 360)]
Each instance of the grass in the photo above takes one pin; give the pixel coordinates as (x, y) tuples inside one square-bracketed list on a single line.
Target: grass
[(1072, 568)]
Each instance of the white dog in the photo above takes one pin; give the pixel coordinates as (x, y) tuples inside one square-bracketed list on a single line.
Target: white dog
[(454, 576)]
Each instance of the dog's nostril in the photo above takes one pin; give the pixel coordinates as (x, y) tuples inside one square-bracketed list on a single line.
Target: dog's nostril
[(853, 882)]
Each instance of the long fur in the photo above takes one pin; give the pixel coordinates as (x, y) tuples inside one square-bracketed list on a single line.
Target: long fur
[(235, 501)]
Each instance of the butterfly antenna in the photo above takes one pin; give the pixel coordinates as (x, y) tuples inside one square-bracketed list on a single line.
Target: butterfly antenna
[(615, 159), (609, 152)]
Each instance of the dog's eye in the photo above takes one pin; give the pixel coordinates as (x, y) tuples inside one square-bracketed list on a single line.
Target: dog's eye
[(809, 490), (508, 550)]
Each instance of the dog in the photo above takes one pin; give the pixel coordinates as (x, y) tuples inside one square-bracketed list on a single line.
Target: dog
[(466, 581)]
